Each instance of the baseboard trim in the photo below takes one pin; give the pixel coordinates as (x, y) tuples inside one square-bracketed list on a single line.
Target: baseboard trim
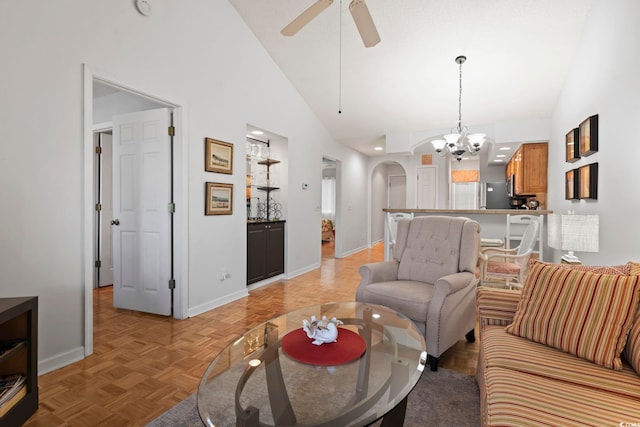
[(61, 360), (301, 271), (353, 251), (203, 308)]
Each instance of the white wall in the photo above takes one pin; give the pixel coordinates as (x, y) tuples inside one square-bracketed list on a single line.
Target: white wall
[(201, 57), (604, 80)]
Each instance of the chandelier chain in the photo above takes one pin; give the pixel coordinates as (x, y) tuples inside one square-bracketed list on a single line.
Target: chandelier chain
[(460, 102)]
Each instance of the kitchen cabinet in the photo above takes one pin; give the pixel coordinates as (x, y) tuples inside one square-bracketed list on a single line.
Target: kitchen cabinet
[(529, 168), (18, 355), (265, 250)]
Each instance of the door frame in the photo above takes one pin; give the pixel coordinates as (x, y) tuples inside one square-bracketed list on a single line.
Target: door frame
[(180, 186)]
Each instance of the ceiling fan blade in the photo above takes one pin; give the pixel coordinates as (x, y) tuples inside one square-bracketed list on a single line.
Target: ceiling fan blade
[(305, 17), (364, 22)]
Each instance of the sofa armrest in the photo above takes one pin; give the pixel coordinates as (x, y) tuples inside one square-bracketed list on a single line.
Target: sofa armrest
[(378, 272), (496, 306)]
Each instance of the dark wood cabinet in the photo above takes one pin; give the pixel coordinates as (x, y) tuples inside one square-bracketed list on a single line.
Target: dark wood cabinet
[(265, 250), (19, 339)]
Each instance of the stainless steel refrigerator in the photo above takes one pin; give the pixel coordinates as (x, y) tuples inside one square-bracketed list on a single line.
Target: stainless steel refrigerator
[(494, 195)]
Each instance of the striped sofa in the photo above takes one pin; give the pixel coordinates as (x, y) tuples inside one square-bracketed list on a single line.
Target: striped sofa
[(528, 379)]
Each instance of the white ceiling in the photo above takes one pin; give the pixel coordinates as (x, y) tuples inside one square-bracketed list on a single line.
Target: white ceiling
[(518, 54)]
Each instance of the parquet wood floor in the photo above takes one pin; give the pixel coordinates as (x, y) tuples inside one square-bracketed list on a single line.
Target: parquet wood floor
[(145, 364)]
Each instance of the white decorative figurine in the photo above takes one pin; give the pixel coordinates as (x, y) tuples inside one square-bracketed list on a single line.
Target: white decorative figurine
[(321, 331)]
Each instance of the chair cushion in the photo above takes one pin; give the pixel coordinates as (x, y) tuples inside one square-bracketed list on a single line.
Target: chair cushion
[(408, 297), (582, 313), (432, 248), (501, 267), (515, 398), (504, 350)]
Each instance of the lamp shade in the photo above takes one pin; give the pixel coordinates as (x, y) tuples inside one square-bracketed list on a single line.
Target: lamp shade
[(578, 233)]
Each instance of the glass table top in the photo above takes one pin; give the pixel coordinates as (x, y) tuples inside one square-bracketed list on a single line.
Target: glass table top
[(252, 382)]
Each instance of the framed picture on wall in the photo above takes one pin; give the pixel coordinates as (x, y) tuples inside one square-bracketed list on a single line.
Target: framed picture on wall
[(218, 199), (589, 181), (571, 185), (588, 136), (218, 156), (571, 144)]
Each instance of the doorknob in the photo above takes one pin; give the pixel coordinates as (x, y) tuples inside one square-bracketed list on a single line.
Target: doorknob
[(115, 222)]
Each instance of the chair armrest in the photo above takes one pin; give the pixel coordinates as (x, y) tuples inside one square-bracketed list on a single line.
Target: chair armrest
[(453, 283), (378, 272), (496, 306), (491, 252), (506, 256)]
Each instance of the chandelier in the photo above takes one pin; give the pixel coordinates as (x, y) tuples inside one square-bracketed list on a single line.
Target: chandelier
[(458, 142)]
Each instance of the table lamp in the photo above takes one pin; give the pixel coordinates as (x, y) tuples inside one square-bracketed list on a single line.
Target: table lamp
[(570, 232)]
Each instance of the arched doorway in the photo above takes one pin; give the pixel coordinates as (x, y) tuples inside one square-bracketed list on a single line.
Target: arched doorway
[(388, 190)]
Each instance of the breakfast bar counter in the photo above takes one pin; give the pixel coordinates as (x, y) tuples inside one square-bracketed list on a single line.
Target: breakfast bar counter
[(494, 223), (469, 211)]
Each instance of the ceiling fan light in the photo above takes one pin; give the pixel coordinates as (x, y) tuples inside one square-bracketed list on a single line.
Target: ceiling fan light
[(364, 23)]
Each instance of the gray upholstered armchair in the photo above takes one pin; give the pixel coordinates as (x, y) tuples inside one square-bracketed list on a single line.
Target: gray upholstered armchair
[(431, 279)]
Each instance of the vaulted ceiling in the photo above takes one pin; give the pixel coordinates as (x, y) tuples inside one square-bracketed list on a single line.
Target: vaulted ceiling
[(518, 55)]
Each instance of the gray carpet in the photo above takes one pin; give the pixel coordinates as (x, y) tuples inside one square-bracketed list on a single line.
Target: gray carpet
[(442, 398)]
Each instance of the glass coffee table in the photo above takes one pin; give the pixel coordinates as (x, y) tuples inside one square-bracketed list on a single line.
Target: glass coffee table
[(253, 382)]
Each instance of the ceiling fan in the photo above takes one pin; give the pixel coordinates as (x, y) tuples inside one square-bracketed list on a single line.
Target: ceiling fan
[(359, 12)]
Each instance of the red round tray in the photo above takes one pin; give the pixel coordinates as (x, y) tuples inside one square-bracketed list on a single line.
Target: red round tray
[(348, 347)]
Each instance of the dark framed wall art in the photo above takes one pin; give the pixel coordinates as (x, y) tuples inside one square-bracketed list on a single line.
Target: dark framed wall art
[(571, 185), (571, 143), (588, 136), (588, 178)]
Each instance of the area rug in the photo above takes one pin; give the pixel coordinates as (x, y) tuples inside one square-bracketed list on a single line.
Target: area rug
[(442, 398)]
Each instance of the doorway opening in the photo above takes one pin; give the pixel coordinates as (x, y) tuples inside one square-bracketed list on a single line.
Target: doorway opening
[(388, 190), (105, 98), (103, 139), (329, 207)]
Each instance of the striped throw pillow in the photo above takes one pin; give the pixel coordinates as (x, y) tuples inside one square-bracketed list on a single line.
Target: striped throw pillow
[(632, 350), (585, 314), (634, 268)]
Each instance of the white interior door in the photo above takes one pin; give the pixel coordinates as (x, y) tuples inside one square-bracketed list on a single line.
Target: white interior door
[(397, 196), (427, 181), (141, 219), (106, 200)]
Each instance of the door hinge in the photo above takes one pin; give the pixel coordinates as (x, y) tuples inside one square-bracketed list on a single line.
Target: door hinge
[(172, 283), (98, 207), (98, 150), (172, 207), (98, 263), (172, 130)]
